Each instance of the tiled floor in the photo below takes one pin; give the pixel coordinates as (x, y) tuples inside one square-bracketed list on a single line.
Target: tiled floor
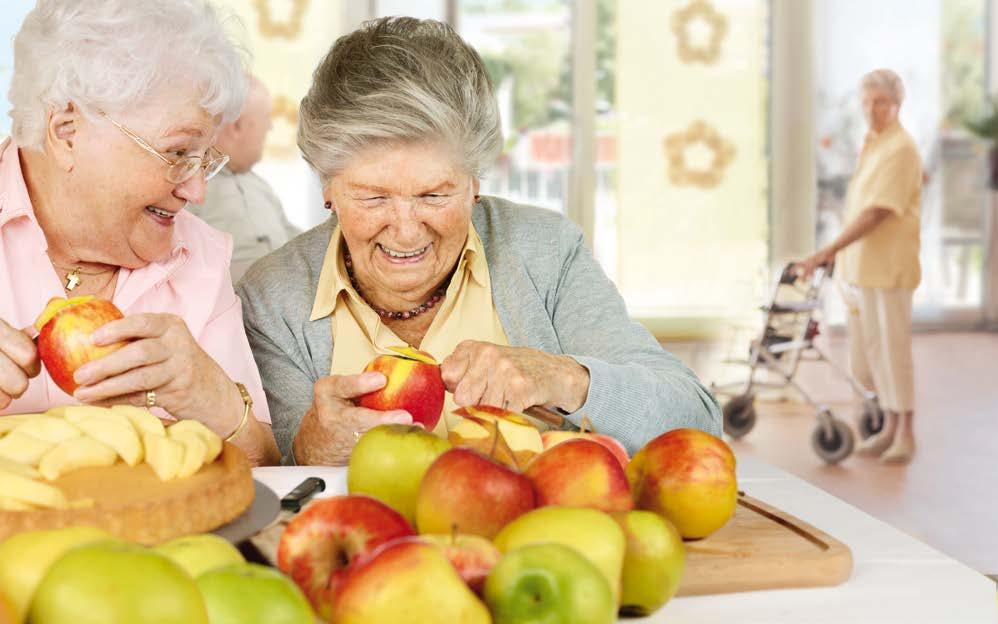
[(948, 496)]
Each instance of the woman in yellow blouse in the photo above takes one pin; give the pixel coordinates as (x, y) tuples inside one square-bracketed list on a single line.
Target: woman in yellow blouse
[(877, 256)]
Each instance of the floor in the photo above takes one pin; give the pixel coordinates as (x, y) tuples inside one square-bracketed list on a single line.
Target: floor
[(948, 496)]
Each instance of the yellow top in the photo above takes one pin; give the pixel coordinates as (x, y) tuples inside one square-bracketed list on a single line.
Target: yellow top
[(888, 175), (465, 313)]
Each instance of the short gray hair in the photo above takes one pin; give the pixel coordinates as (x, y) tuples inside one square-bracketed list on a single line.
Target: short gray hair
[(885, 80), (111, 55), (399, 79)]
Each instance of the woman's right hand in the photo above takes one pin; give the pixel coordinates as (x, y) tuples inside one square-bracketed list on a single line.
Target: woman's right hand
[(332, 426), (18, 363)]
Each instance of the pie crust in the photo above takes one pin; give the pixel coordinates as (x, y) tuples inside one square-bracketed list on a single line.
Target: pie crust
[(133, 504)]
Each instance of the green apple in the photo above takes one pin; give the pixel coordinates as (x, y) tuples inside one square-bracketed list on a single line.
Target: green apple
[(593, 533), (407, 580), (248, 593), (388, 463), (653, 564), (548, 584), (26, 557), (116, 582), (197, 554)]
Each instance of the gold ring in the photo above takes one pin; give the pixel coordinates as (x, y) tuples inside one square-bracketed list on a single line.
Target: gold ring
[(150, 398), (357, 434)]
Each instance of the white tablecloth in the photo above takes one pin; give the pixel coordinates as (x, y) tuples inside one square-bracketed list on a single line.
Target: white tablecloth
[(895, 577)]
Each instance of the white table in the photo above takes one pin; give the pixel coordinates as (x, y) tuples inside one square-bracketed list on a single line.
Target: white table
[(895, 577)]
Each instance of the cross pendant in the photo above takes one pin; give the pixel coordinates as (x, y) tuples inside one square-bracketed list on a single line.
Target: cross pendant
[(72, 279)]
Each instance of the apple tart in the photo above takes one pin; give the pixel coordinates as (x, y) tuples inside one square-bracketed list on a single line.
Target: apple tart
[(118, 469)]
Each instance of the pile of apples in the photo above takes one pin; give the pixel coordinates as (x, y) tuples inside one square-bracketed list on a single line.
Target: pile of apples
[(82, 575), (437, 531)]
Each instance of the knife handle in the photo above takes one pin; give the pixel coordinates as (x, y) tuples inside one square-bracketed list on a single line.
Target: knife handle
[(296, 498)]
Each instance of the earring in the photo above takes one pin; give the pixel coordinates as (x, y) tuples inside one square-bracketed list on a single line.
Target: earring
[(328, 205)]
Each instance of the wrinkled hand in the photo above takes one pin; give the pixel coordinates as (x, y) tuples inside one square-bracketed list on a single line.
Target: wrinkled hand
[(163, 357), (333, 424), (806, 267), (18, 363), (514, 378)]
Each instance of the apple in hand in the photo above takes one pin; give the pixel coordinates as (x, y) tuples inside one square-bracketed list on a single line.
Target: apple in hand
[(116, 582), (322, 543), (548, 584), (653, 562), (593, 533), (26, 557), (248, 593), (388, 463), (580, 473), (472, 556), (197, 554), (64, 329), (467, 492), (414, 385), (407, 580), (480, 425), (687, 476)]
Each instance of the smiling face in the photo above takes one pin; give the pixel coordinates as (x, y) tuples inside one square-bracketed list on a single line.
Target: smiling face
[(124, 208), (404, 211), (879, 108)]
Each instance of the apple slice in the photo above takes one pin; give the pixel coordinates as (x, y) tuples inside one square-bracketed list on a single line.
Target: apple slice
[(82, 452), (209, 437), (49, 429), (23, 448), (18, 468), (142, 419), (9, 423), (414, 354), (76, 413), (195, 451), (164, 455), (117, 432), (12, 504), (19, 488)]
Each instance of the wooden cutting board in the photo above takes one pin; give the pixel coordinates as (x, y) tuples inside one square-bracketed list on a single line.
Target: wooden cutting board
[(762, 547)]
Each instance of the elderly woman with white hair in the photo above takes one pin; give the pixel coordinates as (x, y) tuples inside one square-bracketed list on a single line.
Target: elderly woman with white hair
[(115, 107), (399, 124), (877, 260)]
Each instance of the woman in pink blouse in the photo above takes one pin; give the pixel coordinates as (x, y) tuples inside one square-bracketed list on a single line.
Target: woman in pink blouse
[(115, 109)]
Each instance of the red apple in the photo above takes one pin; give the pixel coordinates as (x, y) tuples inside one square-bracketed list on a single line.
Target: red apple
[(414, 385), (64, 329), (472, 555), (407, 580), (687, 476), (467, 492), (323, 543), (550, 438), (580, 473)]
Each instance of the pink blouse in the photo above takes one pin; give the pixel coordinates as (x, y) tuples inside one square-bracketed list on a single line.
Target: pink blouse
[(193, 283)]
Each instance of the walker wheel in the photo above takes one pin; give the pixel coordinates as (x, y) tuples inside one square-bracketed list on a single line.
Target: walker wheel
[(872, 420), (833, 446), (739, 415)]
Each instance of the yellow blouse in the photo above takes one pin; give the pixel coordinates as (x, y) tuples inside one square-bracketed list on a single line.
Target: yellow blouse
[(465, 313)]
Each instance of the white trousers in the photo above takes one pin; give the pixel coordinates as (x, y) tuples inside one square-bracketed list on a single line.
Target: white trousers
[(880, 343)]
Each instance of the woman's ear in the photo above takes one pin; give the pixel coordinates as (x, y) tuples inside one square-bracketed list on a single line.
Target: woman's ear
[(60, 135)]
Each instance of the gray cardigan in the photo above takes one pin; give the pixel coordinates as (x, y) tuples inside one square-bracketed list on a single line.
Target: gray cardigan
[(550, 294)]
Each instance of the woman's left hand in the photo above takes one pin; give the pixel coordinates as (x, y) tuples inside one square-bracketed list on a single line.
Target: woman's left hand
[(514, 378), (165, 358)]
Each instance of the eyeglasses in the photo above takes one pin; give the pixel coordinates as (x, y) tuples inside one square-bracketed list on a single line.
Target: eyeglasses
[(183, 169)]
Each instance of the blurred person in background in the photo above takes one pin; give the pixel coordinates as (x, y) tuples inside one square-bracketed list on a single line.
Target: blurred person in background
[(239, 201), (876, 259)]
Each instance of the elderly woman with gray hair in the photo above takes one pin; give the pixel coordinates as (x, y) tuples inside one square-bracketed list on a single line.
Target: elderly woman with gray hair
[(115, 107), (877, 260), (399, 124)]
